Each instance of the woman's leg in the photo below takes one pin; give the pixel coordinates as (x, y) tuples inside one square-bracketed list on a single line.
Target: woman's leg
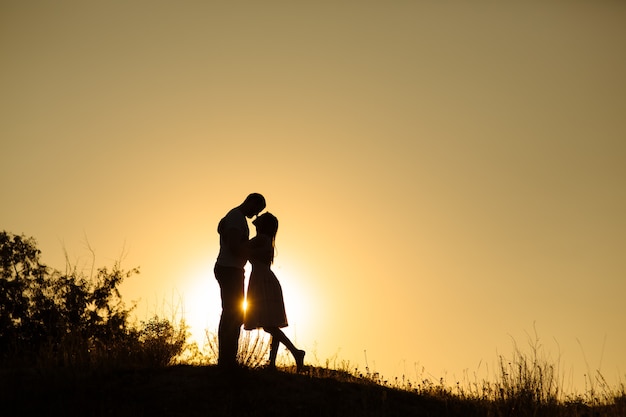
[(274, 344), (279, 337)]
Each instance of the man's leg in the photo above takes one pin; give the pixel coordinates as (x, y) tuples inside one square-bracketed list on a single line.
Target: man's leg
[(231, 281)]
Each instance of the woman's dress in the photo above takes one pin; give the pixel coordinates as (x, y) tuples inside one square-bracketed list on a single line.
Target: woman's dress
[(265, 306)]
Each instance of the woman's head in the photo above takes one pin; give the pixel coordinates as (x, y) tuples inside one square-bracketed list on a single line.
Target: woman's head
[(266, 224)]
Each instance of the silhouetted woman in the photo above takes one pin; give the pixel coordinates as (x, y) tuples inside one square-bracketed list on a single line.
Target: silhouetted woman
[(265, 307)]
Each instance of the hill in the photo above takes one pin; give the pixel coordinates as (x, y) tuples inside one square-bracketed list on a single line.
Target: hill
[(189, 391), (205, 391)]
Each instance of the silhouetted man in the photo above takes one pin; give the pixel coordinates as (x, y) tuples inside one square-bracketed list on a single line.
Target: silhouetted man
[(229, 272)]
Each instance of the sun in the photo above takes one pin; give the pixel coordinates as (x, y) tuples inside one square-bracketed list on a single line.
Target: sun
[(202, 305)]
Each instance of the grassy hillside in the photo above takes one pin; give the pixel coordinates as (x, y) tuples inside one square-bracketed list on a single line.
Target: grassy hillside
[(185, 390)]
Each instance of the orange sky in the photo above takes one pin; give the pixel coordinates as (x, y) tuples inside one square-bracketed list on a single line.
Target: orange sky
[(446, 176)]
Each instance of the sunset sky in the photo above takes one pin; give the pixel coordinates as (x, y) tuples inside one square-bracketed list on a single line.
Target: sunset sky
[(448, 176)]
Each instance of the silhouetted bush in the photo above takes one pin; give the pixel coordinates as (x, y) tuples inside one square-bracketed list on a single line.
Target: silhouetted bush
[(53, 318), (160, 341)]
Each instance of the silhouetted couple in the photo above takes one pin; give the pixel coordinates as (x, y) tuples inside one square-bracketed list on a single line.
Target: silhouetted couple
[(265, 304)]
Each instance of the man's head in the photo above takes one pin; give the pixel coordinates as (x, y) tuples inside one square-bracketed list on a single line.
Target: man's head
[(252, 205)]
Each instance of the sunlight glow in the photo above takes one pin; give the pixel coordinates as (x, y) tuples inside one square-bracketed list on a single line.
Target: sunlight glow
[(202, 303), (298, 300)]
